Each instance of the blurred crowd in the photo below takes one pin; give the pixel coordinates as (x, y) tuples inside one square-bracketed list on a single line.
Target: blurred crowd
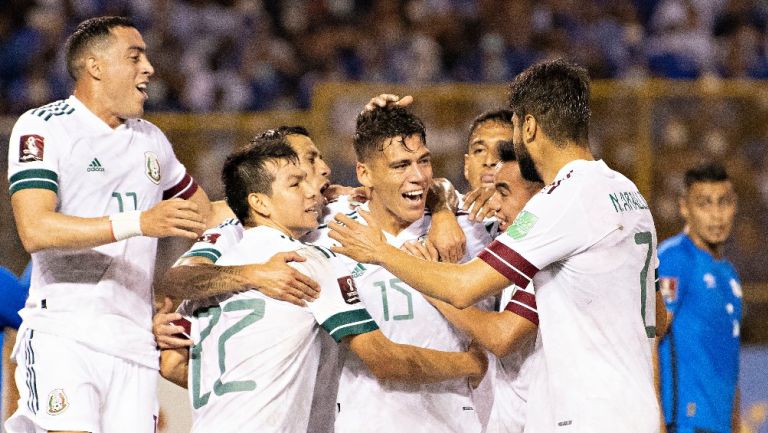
[(245, 55)]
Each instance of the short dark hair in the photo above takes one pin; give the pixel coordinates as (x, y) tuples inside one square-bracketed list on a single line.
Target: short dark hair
[(706, 172), (375, 126), (246, 171), (502, 116), (86, 35), (506, 151), (556, 93), (284, 130)]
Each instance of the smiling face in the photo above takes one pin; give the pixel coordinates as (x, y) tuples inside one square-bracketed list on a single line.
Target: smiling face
[(292, 206), (709, 209), (482, 156), (399, 177), (124, 73), (512, 193)]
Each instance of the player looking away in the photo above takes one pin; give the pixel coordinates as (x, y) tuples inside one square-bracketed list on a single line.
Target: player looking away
[(699, 356), (92, 186), (588, 244), (255, 359)]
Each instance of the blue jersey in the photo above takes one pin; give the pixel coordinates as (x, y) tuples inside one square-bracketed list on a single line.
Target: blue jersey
[(699, 356)]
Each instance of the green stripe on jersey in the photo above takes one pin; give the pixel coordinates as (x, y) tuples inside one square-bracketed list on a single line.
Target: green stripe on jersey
[(326, 252), (349, 323), (208, 253), (39, 178)]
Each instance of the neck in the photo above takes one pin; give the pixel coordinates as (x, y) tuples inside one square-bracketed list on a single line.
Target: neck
[(560, 156), (388, 222), (715, 250), (91, 99)]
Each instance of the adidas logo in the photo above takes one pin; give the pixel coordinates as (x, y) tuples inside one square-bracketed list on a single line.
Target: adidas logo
[(95, 165), (358, 271)]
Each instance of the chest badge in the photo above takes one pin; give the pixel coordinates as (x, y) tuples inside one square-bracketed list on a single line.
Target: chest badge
[(152, 167)]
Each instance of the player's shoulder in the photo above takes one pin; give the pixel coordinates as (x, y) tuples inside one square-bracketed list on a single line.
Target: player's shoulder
[(676, 255), (674, 246), (50, 113)]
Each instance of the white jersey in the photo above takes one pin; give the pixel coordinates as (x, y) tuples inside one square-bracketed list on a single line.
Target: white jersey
[(405, 317), (255, 360), (514, 372), (588, 242), (100, 296)]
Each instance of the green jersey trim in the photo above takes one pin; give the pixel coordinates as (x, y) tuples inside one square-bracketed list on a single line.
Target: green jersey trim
[(208, 253), (36, 178), (353, 322)]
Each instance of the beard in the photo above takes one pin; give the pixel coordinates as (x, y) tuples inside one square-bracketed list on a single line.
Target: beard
[(527, 167)]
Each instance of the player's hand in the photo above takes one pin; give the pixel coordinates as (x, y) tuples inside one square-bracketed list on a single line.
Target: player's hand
[(278, 280), (388, 100), (175, 217), (422, 249), (448, 238), (360, 242), (478, 353), (168, 335), (335, 191), (477, 204)]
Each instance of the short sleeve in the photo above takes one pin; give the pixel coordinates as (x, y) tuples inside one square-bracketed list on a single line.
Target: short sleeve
[(338, 309), (33, 154), (217, 240), (174, 179), (546, 230)]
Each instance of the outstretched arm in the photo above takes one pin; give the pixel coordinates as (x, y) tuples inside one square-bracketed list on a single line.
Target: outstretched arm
[(461, 285), (411, 364)]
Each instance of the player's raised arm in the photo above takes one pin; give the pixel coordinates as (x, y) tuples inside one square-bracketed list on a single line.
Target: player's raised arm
[(461, 285), (445, 232)]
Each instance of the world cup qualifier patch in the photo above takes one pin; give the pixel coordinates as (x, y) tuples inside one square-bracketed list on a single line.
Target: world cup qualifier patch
[(522, 225), (209, 238), (31, 148), (668, 288), (348, 290)]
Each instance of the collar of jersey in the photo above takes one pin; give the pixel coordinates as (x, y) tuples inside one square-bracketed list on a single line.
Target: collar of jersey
[(96, 121), (267, 234), (414, 231), (577, 164)]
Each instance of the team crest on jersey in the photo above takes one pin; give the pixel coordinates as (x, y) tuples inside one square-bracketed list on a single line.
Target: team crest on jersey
[(31, 148), (668, 288), (209, 238), (348, 290), (57, 402), (152, 167), (522, 225)]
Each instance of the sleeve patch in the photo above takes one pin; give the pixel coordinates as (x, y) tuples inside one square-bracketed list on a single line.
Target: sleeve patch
[(209, 238), (668, 287), (348, 290), (31, 148)]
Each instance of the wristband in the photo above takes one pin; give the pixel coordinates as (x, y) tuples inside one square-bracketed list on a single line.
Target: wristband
[(126, 224)]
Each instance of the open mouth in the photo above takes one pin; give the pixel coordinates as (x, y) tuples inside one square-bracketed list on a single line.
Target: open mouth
[(414, 196), (314, 210), (142, 88), (487, 178)]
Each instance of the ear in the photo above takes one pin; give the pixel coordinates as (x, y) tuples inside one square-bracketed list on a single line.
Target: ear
[(530, 128), (94, 66), (363, 174), (260, 204)]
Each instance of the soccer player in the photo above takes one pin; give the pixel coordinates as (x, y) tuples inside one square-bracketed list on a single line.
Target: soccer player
[(394, 164), (509, 333), (587, 242), (699, 356), (255, 359), (92, 186)]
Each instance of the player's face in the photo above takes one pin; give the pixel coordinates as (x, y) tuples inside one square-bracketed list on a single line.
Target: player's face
[(481, 159), (125, 73), (512, 193), (293, 204), (399, 178), (311, 161), (527, 166), (709, 209)]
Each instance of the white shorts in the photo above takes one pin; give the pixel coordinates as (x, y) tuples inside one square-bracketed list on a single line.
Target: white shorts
[(63, 385)]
